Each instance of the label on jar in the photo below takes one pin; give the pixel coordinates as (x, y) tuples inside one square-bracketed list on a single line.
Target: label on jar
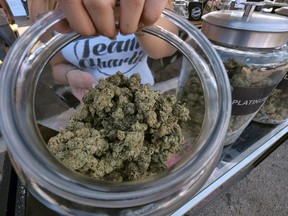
[(248, 100), (283, 85)]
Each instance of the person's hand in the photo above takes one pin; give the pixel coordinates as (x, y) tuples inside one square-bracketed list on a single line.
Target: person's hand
[(80, 82), (91, 17)]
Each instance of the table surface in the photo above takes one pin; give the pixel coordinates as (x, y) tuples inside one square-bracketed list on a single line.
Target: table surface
[(253, 146)]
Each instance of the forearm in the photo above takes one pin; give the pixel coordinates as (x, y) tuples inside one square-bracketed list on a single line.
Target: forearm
[(155, 47)]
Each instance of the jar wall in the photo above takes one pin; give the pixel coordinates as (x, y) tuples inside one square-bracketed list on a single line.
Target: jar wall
[(253, 74), (275, 109), (70, 193)]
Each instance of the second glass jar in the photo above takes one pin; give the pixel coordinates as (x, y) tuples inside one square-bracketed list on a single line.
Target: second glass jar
[(252, 48)]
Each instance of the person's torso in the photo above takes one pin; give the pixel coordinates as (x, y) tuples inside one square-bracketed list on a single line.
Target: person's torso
[(104, 57)]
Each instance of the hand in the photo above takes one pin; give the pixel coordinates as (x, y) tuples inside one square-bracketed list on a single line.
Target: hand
[(80, 82), (91, 17)]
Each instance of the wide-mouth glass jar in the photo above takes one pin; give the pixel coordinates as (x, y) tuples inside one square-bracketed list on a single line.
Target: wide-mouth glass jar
[(252, 48), (28, 108)]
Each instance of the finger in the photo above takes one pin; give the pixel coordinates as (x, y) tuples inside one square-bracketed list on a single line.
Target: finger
[(102, 14), (90, 81), (130, 14), (62, 27), (86, 81), (152, 11), (80, 79), (78, 17), (79, 93)]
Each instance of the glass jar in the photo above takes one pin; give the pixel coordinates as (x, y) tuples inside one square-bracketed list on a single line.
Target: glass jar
[(275, 109), (25, 129), (252, 48)]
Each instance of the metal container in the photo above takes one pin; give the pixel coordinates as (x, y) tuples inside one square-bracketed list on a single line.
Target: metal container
[(70, 193), (252, 48)]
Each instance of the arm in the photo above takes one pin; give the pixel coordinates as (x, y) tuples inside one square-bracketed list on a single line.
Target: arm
[(155, 47), (36, 8)]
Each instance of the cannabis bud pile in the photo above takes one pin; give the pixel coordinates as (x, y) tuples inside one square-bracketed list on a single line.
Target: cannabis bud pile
[(124, 131)]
